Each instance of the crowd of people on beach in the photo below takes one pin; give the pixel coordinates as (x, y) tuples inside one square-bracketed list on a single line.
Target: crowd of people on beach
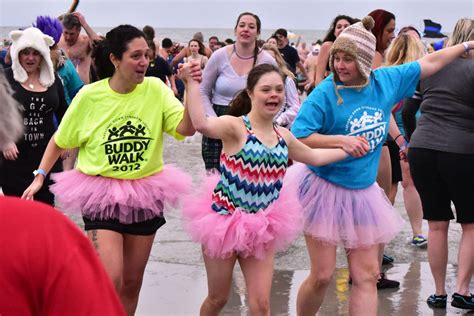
[(296, 140)]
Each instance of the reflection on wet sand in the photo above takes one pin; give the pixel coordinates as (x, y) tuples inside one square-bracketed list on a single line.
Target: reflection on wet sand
[(176, 289), (175, 279)]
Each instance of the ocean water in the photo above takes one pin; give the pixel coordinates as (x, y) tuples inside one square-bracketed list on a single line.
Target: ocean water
[(183, 35)]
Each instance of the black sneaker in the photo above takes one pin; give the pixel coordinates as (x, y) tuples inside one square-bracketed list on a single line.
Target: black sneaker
[(437, 301), (384, 283), (387, 259), (462, 301)]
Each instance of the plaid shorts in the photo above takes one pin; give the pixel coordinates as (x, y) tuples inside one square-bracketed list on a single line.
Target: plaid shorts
[(211, 148)]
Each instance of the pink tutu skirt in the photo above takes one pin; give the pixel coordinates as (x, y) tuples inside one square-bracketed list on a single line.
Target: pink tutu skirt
[(129, 201), (336, 215), (242, 233)]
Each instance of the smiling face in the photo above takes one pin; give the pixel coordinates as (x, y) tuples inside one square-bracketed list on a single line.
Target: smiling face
[(213, 43), (282, 41), (346, 69), (30, 60), (388, 34), (268, 94), (134, 62), (272, 41), (341, 25), (246, 30)]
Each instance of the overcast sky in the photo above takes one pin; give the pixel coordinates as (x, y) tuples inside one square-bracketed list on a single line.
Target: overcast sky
[(290, 14)]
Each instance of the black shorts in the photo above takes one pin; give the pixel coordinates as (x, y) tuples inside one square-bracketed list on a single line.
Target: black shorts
[(395, 161), (144, 228), (440, 178)]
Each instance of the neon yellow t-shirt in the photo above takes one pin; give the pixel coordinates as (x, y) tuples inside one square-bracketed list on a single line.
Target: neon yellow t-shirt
[(120, 135)]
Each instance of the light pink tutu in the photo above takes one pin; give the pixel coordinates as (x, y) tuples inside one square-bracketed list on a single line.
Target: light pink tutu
[(129, 201), (334, 214), (242, 233)]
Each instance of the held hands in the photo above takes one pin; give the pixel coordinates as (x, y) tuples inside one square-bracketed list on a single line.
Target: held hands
[(356, 146), (190, 70), (10, 152), (34, 187), (403, 152)]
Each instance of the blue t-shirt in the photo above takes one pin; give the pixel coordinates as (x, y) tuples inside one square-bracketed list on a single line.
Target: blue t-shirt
[(365, 112), (72, 83)]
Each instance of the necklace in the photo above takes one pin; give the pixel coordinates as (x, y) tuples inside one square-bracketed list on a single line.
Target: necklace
[(241, 57), (31, 86)]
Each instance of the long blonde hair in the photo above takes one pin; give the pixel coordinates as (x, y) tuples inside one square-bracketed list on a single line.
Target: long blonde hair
[(279, 60), (463, 32), (404, 49)]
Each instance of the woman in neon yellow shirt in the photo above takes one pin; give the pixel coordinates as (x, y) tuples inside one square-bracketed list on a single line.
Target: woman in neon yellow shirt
[(120, 185)]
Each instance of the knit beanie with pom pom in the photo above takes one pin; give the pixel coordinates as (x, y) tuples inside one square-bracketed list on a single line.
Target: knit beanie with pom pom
[(357, 41)]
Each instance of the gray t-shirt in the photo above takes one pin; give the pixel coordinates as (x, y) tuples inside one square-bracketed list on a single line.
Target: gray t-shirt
[(220, 83), (447, 110)]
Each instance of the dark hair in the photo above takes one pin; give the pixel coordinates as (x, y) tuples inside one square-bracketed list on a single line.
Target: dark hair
[(381, 19), (409, 28), (260, 43), (202, 49), (149, 32), (259, 27), (71, 21), (272, 36), (330, 37), (229, 41), (241, 104), (213, 37), (166, 43), (281, 32), (152, 45), (116, 42)]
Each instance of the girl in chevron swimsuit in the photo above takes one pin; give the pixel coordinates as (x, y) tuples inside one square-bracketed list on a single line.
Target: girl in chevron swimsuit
[(246, 213)]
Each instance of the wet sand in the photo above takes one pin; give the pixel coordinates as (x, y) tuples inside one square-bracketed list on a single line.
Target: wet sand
[(175, 278)]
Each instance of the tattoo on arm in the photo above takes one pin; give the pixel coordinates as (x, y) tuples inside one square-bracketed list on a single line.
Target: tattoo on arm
[(94, 239)]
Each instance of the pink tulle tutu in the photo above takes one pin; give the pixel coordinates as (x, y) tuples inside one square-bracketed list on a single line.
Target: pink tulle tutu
[(336, 215), (129, 201), (242, 233)]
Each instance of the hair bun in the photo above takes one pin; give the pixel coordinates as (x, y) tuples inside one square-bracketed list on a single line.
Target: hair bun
[(368, 22)]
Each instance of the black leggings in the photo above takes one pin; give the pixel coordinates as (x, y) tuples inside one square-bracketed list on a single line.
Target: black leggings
[(442, 177)]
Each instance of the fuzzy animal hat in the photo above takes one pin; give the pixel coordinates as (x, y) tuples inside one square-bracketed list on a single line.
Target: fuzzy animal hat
[(11, 126), (358, 41), (34, 38)]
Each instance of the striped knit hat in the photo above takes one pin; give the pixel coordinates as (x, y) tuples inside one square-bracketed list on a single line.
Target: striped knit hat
[(358, 41)]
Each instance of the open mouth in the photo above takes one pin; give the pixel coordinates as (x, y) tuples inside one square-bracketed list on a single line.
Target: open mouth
[(272, 105)]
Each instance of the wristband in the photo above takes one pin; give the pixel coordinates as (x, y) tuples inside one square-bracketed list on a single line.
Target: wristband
[(395, 139), (404, 146), (466, 47), (41, 172)]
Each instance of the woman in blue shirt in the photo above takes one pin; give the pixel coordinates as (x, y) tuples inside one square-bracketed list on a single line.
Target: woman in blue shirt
[(342, 202)]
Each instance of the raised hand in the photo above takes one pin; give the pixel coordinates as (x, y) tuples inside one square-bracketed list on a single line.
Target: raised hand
[(190, 70)]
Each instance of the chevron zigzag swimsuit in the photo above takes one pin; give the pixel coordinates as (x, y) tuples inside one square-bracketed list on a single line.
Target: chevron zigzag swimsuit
[(251, 179)]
